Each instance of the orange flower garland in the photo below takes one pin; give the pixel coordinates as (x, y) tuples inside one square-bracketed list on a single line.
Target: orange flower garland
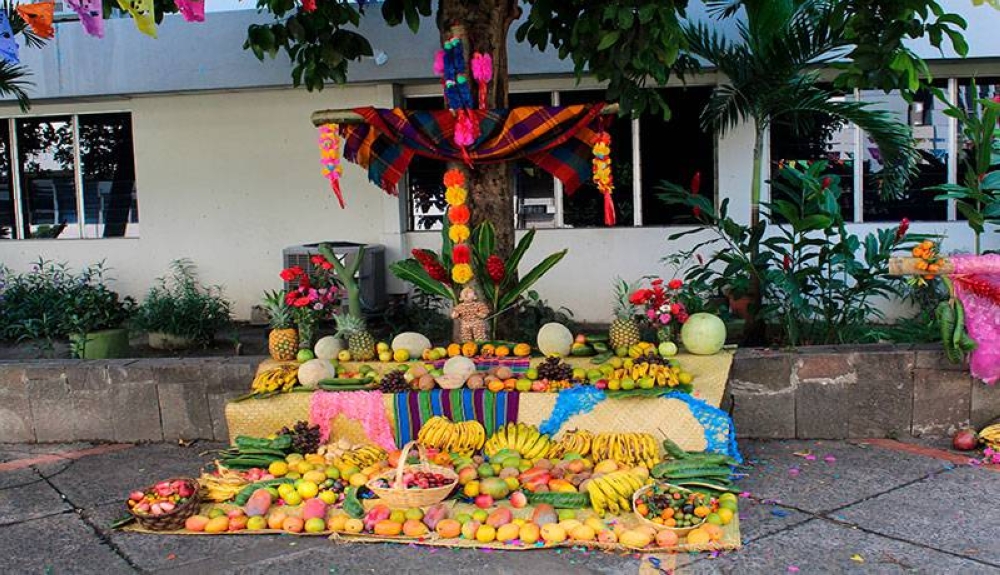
[(458, 216), (929, 260)]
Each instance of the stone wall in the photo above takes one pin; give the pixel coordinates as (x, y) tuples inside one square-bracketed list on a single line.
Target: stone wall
[(818, 393), (855, 392)]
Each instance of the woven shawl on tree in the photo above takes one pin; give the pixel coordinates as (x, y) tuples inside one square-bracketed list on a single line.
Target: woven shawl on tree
[(412, 409), (557, 139)]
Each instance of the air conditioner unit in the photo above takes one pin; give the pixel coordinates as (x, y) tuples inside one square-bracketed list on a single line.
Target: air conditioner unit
[(371, 273)]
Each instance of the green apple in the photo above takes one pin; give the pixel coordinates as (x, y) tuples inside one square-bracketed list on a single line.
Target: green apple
[(531, 373), (647, 383), (628, 383), (667, 349)]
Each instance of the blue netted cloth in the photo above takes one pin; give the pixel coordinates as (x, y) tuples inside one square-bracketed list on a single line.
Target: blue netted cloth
[(570, 402), (720, 432)]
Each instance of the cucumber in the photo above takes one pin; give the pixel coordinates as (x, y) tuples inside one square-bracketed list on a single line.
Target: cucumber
[(335, 381), (712, 459), (673, 450), (582, 351), (561, 500), (698, 473), (668, 467), (599, 347), (244, 495), (601, 358), (247, 442), (352, 505), (261, 452), (597, 338)]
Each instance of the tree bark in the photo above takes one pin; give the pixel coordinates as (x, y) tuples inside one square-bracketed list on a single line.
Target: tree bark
[(491, 193)]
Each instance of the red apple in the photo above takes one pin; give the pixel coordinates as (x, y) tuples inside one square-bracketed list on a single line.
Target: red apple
[(518, 500), (965, 440)]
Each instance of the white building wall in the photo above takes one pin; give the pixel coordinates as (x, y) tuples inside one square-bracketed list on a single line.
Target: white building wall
[(227, 180)]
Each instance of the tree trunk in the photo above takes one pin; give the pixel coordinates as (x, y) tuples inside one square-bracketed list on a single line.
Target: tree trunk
[(491, 194)]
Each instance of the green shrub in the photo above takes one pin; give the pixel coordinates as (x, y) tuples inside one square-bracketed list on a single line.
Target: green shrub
[(179, 306), (52, 302)]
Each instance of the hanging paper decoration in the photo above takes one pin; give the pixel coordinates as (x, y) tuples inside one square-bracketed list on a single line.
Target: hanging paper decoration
[(191, 10), (482, 72), (39, 17), (91, 16), (458, 229), (329, 152), (602, 174), (8, 45), (456, 81), (309, 5), (142, 12)]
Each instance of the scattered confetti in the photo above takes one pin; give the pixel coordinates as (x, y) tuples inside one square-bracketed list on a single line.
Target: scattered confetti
[(171, 557), (745, 494), (793, 471), (793, 569), (829, 459), (857, 558)]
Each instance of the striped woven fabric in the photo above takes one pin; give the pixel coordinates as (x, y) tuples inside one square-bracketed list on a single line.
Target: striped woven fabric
[(412, 409), (557, 139)]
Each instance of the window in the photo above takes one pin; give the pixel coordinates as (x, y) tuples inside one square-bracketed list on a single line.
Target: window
[(930, 131), (74, 177), (668, 151)]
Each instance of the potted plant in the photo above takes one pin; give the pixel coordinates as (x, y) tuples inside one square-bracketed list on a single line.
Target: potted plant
[(95, 317), (179, 313)]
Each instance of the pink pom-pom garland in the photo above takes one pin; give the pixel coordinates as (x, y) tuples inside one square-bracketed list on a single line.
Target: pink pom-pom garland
[(482, 73)]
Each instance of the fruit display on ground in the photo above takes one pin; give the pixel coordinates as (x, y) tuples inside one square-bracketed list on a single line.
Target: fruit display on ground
[(518, 488)]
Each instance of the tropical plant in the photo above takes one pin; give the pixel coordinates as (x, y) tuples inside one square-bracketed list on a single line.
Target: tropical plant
[(978, 197), (497, 279), (178, 305), (533, 312), (771, 72), (818, 281), (422, 313)]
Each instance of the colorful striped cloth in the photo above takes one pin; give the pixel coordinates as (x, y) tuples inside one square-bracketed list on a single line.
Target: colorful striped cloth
[(557, 139), (413, 408)]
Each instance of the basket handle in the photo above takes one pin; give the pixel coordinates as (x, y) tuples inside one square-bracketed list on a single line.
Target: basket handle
[(403, 456)]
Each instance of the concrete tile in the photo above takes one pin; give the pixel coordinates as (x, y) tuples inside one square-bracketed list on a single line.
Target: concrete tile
[(758, 519), (819, 486), (820, 546), (25, 496), (59, 544), (942, 511), (985, 404), (109, 477), (184, 411), (136, 410)]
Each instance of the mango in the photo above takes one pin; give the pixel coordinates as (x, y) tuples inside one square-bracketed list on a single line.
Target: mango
[(494, 487), (501, 516), (387, 527), (508, 532), (529, 533), (544, 514), (196, 523), (434, 515), (583, 533), (553, 533), (314, 508), (414, 528), (276, 519), (293, 524), (448, 528), (217, 524), (635, 538), (259, 503), (469, 529)]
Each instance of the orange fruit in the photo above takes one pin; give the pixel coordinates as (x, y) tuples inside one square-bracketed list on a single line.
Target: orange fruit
[(641, 509), (501, 351), (698, 537), (354, 526), (469, 349), (701, 511), (387, 527), (522, 350), (495, 385), (714, 531), (487, 350)]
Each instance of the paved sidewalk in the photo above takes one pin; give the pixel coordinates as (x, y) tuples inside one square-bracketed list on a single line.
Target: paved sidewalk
[(814, 507)]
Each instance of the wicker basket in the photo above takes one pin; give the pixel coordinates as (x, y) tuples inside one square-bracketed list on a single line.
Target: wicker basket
[(174, 520), (398, 497), (680, 531)]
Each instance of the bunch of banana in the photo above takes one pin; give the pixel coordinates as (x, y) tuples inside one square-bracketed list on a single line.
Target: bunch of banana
[(613, 492), (444, 434), (990, 435), (278, 379), (576, 441), (525, 439), (629, 449), (662, 375), (223, 485), (361, 457)]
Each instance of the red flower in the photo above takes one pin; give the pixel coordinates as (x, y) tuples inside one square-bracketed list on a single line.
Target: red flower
[(675, 284), (460, 254), (657, 281), (317, 260), (696, 183), (290, 297), (495, 268), (904, 226), (301, 302), (640, 296), (309, 5), (422, 256), (786, 262), (289, 274), (326, 265), (826, 182)]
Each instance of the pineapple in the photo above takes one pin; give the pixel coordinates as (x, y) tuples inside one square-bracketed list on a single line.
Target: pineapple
[(360, 342), (624, 330), (283, 341)]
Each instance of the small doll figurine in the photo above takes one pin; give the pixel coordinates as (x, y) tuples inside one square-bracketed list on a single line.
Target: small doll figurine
[(471, 315)]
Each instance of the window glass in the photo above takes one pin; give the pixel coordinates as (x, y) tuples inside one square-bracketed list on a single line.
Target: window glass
[(811, 137), (7, 221), (674, 151), (48, 189), (534, 188), (930, 131), (106, 161), (988, 88), (425, 189), (585, 207)]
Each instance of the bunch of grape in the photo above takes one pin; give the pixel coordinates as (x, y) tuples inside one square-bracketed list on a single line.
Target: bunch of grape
[(554, 370), (394, 382), (305, 437), (653, 360)]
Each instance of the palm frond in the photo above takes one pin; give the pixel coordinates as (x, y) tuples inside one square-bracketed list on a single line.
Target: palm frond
[(13, 83)]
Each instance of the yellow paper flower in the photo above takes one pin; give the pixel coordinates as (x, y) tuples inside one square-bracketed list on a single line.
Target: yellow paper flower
[(602, 149), (461, 273), (458, 233), (455, 196)]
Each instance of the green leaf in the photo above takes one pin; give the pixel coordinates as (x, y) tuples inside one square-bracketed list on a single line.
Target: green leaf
[(991, 181), (485, 240), (510, 268), (410, 270), (529, 279), (608, 40)]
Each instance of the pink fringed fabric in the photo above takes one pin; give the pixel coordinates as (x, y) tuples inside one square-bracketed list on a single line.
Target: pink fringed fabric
[(366, 407), (482, 73), (191, 10), (975, 278)]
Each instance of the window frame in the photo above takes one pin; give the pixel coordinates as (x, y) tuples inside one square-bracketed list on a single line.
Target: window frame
[(553, 86), (18, 231)]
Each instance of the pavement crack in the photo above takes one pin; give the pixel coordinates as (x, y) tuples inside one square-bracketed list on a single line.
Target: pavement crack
[(85, 518)]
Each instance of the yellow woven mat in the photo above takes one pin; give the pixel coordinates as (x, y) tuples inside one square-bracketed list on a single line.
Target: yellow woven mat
[(730, 534)]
